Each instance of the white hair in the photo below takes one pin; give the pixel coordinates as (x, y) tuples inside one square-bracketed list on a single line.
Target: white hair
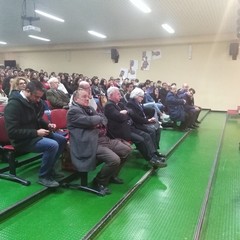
[(52, 79), (136, 92), (111, 90)]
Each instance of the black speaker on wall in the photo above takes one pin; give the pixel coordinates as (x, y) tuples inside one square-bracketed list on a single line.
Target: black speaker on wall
[(10, 63), (114, 55), (233, 50)]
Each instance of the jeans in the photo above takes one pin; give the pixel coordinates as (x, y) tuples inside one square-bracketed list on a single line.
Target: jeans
[(159, 107), (51, 147)]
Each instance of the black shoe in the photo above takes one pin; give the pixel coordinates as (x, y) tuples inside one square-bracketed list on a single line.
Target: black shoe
[(116, 180), (100, 188), (195, 125), (162, 159), (156, 163), (47, 182), (197, 121), (192, 127), (161, 155)]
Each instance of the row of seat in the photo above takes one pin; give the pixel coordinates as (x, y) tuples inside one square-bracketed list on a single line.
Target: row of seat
[(57, 116)]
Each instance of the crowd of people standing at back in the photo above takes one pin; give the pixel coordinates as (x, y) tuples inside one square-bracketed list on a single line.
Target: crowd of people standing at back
[(110, 113)]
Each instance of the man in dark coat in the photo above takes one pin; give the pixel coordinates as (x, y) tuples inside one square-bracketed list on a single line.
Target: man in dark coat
[(120, 125), (89, 143), (141, 121), (176, 109), (28, 132), (56, 97)]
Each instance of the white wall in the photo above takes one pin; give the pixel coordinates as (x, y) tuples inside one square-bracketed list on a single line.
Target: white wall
[(211, 71)]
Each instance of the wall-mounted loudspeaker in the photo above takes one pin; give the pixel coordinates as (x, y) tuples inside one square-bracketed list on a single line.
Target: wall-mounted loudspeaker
[(233, 50), (114, 55), (10, 63)]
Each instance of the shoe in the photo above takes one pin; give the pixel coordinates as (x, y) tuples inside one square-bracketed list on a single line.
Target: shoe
[(58, 176), (186, 129), (156, 163), (47, 182), (160, 155), (160, 125), (100, 188), (116, 180), (197, 121), (192, 127), (162, 159), (195, 125)]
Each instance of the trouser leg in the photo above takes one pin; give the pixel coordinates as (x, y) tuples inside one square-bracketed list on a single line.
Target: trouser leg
[(111, 163), (62, 143), (49, 148), (143, 142), (122, 149)]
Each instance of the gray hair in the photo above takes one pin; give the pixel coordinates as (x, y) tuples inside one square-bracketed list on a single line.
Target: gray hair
[(136, 92), (52, 79), (111, 90)]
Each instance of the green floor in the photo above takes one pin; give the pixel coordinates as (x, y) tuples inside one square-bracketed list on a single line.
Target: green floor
[(166, 206)]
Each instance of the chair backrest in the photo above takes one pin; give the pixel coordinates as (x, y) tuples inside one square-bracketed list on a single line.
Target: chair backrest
[(3, 132), (59, 117)]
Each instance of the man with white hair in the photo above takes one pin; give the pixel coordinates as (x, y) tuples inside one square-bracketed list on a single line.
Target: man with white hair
[(56, 97), (86, 86), (148, 125), (120, 125)]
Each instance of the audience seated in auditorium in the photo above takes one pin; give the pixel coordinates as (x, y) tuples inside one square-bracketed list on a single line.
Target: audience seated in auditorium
[(120, 125), (176, 110), (28, 132), (89, 143), (189, 108)]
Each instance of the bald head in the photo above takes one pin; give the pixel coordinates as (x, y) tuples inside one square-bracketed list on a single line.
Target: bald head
[(85, 86), (185, 86)]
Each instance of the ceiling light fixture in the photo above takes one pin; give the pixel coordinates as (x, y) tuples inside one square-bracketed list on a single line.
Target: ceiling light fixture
[(97, 34), (3, 43), (39, 38), (141, 5), (168, 28), (49, 16)]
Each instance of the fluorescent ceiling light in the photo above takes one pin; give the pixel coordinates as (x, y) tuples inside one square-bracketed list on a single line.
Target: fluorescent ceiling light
[(39, 38), (49, 16), (97, 34), (141, 5), (4, 43), (168, 28)]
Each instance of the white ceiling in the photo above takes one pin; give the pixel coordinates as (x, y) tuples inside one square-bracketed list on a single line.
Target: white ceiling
[(119, 20)]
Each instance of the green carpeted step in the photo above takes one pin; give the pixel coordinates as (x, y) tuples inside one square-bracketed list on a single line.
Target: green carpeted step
[(168, 204), (223, 213)]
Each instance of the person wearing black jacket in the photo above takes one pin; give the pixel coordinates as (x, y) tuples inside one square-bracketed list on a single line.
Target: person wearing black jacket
[(148, 125), (28, 132), (120, 125)]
